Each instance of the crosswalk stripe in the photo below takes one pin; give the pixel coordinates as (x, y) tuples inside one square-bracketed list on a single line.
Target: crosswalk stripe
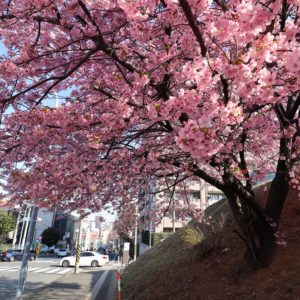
[(13, 269), (45, 261), (4, 269), (53, 271), (32, 269), (65, 271), (42, 270), (59, 270)]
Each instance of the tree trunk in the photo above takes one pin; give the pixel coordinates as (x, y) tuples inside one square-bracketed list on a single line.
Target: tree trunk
[(258, 230), (256, 233)]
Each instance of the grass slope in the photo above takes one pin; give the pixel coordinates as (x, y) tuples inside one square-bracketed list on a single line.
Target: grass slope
[(194, 264)]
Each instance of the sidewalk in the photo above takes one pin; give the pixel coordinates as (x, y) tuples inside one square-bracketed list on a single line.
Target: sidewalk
[(82, 286)]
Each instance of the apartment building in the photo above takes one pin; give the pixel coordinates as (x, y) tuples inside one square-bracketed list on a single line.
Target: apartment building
[(173, 208)]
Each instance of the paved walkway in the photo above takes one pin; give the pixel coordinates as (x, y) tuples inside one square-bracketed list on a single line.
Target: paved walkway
[(93, 285)]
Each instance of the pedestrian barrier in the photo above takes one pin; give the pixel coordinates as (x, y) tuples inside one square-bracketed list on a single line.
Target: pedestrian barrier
[(119, 278)]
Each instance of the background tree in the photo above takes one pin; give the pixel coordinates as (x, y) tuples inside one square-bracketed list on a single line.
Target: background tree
[(7, 224), (155, 91), (50, 237)]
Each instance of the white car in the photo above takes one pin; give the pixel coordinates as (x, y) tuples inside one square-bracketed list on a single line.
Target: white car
[(88, 258)]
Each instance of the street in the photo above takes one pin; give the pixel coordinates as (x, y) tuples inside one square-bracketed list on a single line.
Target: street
[(46, 274)]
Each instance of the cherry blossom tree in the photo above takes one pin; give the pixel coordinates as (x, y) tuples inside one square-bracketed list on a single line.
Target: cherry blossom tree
[(158, 90)]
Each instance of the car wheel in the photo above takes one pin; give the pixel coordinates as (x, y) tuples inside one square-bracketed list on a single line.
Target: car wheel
[(11, 259), (65, 263), (94, 264)]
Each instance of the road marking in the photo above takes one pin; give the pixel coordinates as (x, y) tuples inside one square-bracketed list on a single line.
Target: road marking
[(13, 269), (42, 270), (32, 269), (97, 287), (5, 269), (53, 270), (65, 271), (54, 261), (38, 270)]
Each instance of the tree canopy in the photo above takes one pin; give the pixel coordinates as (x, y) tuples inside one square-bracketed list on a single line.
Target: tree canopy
[(7, 223), (151, 90), (50, 237)]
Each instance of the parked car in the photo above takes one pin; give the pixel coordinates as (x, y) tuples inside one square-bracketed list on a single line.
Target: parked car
[(56, 250), (101, 250), (11, 256), (44, 249), (63, 253), (87, 258)]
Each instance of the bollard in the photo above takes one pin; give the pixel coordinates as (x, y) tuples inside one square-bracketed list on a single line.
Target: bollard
[(119, 277)]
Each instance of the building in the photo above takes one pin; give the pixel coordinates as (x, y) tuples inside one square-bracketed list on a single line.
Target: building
[(45, 220), (90, 234), (106, 229), (170, 209)]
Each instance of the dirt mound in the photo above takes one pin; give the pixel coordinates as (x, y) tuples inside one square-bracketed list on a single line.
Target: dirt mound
[(190, 265)]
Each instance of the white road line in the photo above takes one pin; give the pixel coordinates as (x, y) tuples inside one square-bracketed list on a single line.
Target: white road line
[(53, 270), (46, 261), (5, 269), (42, 270), (96, 288), (32, 269), (65, 271), (13, 269)]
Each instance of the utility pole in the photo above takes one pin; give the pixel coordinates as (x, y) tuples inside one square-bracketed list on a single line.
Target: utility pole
[(78, 248), (173, 215), (26, 227), (150, 230), (24, 265), (16, 232), (135, 232), (22, 228)]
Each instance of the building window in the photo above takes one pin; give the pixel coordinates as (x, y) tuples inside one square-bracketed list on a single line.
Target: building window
[(195, 196), (215, 197)]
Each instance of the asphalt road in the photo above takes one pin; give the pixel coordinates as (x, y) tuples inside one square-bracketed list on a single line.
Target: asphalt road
[(45, 271), (40, 272)]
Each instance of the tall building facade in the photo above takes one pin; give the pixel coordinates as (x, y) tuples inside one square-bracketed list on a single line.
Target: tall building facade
[(173, 208)]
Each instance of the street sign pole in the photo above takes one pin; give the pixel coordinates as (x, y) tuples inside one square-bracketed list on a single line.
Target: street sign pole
[(78, 249), (24, 266)]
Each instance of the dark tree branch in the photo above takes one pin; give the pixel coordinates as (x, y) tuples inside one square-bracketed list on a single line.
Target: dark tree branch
[(283, 14), (293, 106), (225, 89), (191, 20)]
